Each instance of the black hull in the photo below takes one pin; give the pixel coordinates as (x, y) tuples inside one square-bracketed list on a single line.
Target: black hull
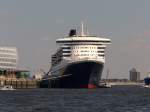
[(147, 81), (76, 75)]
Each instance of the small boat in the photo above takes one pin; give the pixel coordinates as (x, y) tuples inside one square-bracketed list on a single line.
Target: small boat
[(7, 87), (147, 81), (104, 85), (146, 86)]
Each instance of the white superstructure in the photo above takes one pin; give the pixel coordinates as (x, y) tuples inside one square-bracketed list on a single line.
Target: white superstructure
[(8, 58), (81, 47)]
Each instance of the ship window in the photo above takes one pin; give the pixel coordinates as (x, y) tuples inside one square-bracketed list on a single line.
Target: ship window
[(66, 55), (101, 47), (100, 51), (84, 51), (101, 55), (66, 51), (66, 48)]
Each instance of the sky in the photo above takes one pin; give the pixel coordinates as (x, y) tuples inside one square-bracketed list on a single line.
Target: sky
[(33, 26)]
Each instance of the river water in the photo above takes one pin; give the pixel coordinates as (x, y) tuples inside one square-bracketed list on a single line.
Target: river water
[(115, 99)]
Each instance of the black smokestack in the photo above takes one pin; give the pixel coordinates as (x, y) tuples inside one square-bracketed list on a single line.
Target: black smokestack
[(72, 32)]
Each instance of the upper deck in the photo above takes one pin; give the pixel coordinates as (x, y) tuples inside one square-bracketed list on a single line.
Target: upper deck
[(75, 39)]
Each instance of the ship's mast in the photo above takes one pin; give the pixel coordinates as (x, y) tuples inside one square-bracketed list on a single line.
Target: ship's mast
[(82, 29), (107, 74)]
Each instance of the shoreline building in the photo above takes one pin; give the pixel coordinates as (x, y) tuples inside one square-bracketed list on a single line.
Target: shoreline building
[(8, 58), (134, 75), (8, 61)]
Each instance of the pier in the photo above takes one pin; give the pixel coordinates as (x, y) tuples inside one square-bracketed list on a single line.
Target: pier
[(20, 83)]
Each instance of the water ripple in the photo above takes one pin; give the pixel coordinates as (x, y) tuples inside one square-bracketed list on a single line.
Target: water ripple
[(116, 99)]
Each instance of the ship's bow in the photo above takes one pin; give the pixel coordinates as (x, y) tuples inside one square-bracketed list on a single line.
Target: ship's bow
[(84, 74)]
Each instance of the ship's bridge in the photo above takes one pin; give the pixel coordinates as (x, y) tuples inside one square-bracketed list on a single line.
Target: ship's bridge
[(85, 39), (82, 47)]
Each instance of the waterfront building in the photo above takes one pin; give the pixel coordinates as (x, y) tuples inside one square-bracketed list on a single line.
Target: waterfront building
[(22, 73), (8, 58), (8, 61), (134, 75)]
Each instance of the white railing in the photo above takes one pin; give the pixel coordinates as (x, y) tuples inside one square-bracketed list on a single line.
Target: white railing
[(73, 59)]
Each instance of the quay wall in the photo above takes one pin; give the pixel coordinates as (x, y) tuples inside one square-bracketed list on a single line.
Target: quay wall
[(20, 83), (124, 83)]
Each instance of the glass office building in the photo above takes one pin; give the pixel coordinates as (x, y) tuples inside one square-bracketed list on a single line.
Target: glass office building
[(8, 58)]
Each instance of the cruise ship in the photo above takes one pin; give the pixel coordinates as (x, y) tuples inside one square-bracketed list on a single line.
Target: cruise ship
[(78, 62)]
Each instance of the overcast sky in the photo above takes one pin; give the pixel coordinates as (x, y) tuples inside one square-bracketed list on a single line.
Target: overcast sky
[(33, 26)]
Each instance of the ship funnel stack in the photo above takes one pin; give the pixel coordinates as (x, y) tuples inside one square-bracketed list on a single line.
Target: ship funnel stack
[(72, 32)]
